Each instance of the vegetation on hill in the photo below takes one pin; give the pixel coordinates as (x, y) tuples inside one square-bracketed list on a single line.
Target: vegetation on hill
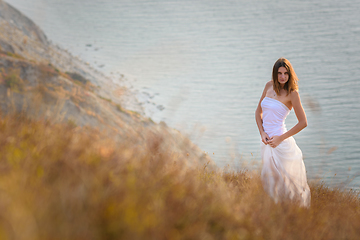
[(59, 181)]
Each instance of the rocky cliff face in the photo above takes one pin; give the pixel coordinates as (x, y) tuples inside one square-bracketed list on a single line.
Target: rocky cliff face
[(42, 80), (28, 27), (19, 36)]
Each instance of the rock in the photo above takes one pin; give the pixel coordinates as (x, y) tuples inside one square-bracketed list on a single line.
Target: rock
[(43, 80), (28, 27), (4, 46)]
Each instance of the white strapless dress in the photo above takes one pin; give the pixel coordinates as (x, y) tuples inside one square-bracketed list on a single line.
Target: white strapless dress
[(283, 173)]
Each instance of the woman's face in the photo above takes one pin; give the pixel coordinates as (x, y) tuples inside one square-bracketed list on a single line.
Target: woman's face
[(283, 76)]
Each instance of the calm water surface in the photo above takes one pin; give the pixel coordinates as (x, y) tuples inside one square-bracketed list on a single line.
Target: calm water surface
[(201, 66)]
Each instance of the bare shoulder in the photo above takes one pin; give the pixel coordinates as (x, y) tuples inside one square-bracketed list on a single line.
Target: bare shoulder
[(266, 89), (294, 95), (268, 85)]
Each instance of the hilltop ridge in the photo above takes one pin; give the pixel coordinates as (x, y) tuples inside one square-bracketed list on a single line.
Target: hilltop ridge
[(40, 79)]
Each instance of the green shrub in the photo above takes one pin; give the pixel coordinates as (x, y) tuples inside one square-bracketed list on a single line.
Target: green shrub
[(119, 108), (13, 81), (14, 55), (77, 77), (106, 99)]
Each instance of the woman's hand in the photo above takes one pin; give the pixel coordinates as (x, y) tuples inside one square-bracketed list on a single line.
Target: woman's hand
[(265, 138), (275, 141)]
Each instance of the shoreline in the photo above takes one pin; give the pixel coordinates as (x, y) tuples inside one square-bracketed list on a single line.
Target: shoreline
[(86, 95), (32, 43)]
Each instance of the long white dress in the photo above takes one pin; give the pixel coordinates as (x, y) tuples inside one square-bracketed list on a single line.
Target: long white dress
[(283, 173)]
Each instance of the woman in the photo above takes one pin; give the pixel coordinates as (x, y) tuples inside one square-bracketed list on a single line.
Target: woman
[(283, 174)]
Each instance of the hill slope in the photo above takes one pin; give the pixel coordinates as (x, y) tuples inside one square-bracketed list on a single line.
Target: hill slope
[(44, 81)]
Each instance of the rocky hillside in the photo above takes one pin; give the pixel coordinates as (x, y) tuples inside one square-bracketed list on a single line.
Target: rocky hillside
[(19, 36), (43, 81)]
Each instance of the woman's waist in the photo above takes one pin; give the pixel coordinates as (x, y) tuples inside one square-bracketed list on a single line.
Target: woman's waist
[(276, 130)]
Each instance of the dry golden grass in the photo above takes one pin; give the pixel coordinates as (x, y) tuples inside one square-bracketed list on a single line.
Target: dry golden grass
[(58, 181)]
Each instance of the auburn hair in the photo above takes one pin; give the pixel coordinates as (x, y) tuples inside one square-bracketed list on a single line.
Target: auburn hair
[(291, 84)]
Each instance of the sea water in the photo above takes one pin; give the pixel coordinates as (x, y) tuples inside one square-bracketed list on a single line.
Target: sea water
[(201, 66)]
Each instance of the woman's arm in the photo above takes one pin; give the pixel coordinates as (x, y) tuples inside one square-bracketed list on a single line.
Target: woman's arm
[(258, 115), (302, 121)]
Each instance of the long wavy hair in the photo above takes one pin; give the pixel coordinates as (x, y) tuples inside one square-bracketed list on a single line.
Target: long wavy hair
[(291, 84)]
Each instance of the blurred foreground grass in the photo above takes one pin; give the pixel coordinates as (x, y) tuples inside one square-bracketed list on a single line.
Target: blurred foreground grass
[(59, 181)]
